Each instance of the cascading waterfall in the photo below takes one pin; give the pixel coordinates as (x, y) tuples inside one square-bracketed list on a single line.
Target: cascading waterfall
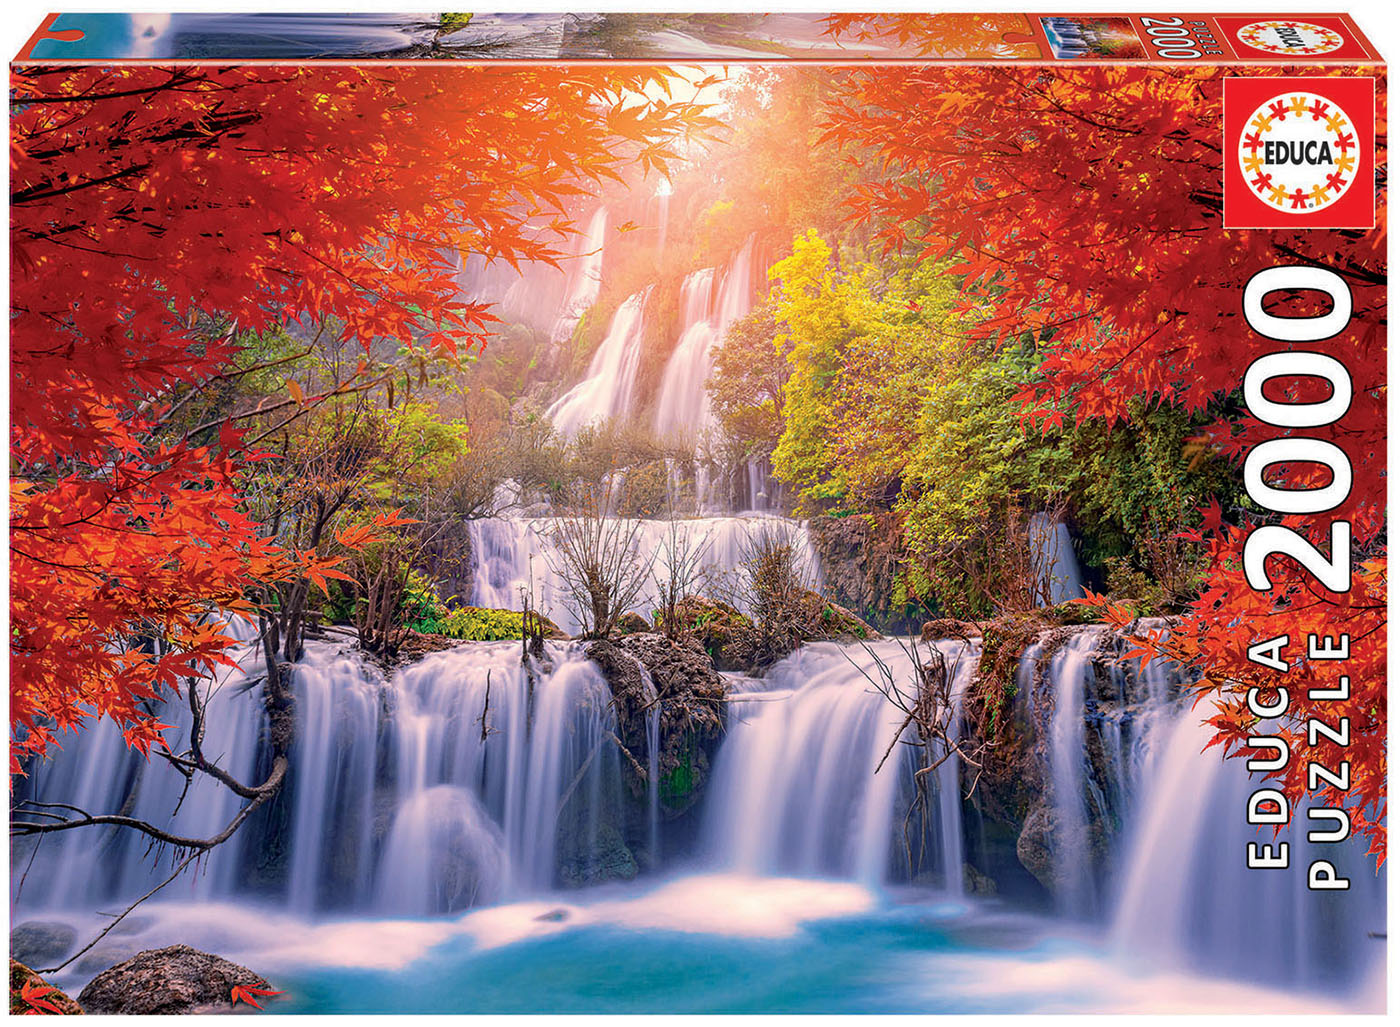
[(708, 308), (96, 771), (461, 779), (1070, 674), (1188, 898), (514, 555), (797, 790), (606, 390), (1054, 546), (467, 779), (681, 408), (547, 298)]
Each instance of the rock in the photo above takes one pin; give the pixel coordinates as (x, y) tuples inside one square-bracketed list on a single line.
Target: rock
[(737, 642), (42, 942), (689, 694), (632, 623), (833, 622), (678, 668), (722, 631), (585, 860), (177, 979), (977, 883), (107, 954), (1034, 846), (861, 558), (20, 975), (948, 627), (416, 645)]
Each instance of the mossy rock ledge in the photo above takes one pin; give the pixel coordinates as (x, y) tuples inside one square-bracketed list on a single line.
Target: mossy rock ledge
[(689, 695)]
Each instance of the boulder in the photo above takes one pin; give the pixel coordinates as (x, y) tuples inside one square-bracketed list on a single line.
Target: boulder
[(632, 623), (948, 627), (977, 883), (177, 979), (1035, 846), (862, 557), (42, 942), (108, 953), (20, 976), (722, 631)]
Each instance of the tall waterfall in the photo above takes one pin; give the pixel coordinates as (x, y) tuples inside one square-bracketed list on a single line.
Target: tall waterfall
[(606, 390), (464, 780), (1054, 546), (1187, 896), (1070, 675), (447, 785), (548, 299), (708, 308)]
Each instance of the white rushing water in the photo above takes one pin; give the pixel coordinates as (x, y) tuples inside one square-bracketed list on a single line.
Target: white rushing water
[(585, 277), (1070, 673), (606, 392), (803, 785), (412, 795), (1188, 898), (462, 781), (708, 308), (546, 298), (1054, 546)]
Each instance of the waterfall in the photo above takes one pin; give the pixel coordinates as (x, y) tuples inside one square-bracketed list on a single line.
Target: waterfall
[(338, 700), (466, 779), (682, 408), (1069, 675), (606, 390), (409, 796), (96, 771), (547, 298), (707, 311), (796, 789), (1188, 897), (514, 554), (653, 732), (1055, 548)]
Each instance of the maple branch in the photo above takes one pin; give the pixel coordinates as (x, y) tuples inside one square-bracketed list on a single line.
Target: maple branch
[(265, 791)]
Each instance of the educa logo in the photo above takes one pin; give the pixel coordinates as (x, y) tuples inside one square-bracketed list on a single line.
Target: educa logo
[(1299, 153), (1295, 38)]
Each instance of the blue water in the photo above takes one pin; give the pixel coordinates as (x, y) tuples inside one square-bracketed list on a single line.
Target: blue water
[(708, 944), (861, 964)]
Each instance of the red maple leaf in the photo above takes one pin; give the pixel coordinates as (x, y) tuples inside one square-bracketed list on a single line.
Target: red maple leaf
[(249, 994)]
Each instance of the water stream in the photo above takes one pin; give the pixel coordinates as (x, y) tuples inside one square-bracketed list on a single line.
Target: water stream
[(463, 797)]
